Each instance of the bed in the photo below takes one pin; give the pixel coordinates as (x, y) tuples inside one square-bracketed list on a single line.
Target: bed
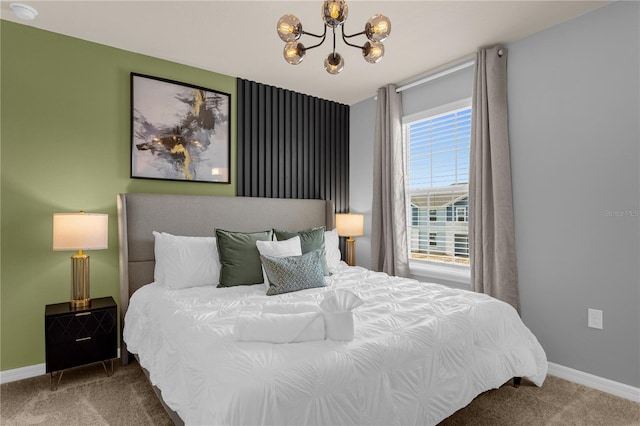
[(419, 352)]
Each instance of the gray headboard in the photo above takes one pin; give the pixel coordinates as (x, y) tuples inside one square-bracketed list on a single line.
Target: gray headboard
[(199, 215)]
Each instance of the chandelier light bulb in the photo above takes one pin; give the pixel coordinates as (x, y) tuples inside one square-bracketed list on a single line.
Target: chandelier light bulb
[(377, 28), (334, 12), (294, 52), (334, 63), (289, 28), (373, 51)]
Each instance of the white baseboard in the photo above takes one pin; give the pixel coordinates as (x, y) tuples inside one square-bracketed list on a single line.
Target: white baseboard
[(600, 383), (22, 373), (26, 372)]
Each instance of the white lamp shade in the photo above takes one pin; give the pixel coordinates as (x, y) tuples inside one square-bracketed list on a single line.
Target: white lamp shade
[(80, 231), (350, 224)]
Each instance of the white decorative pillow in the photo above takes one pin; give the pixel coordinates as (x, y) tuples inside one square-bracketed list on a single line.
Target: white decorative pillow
[(286, 248), (332, 249), (183, 262)]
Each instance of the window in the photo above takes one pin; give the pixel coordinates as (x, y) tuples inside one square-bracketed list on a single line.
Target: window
[(462, 245), (437, 149), (461, 213)]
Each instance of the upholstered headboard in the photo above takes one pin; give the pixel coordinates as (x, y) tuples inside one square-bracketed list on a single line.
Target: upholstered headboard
[(199, 215)]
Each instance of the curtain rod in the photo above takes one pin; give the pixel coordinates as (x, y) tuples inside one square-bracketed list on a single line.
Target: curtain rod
[(467, 62)]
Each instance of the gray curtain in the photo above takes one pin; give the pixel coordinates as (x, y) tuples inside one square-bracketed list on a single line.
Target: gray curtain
[(491, 229), (389, 252)]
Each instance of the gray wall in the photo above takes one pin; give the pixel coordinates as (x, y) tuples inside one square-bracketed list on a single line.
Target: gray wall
[(361, 131), (573, 110), (574, 103)]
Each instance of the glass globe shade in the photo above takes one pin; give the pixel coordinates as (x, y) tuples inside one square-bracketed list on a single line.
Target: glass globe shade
[(334, 12), (294, 52), (372, 51), (334, 63), (378, 28), (289, 28)]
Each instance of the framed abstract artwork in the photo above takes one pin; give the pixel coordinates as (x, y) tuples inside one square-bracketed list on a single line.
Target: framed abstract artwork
[(179, 131)]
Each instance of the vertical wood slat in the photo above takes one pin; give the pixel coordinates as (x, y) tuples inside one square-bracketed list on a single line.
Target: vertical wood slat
[(288, 122), (240, 140), (253, 141), (291, 145)]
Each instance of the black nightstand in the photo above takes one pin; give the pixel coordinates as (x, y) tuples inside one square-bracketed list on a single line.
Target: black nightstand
[(78, 336)]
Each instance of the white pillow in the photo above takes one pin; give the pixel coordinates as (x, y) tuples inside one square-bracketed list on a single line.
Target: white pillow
[(332, 249), (286, 248), (183, 262)]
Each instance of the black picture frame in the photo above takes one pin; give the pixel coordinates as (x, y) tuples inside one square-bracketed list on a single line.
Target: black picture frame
[(179, 131)]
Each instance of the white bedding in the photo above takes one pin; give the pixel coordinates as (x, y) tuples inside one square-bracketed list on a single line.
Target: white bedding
[(421, 352)]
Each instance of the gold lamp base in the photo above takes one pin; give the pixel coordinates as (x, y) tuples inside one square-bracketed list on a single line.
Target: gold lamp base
[(80, 280), (351, 251)]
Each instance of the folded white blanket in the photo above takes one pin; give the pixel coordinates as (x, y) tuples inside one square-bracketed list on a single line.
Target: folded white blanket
[(290, 308), (279, 328), (338, 316), (300, 322), (340, 301), (339, 325)]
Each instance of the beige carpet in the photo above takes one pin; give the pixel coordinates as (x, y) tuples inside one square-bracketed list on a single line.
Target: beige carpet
[(87, 397)]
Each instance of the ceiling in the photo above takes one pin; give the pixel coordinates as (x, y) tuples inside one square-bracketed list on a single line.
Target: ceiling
[(238, 38)]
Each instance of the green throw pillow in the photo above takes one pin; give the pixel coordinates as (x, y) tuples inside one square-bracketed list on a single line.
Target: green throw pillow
[(287, 274), (310, 240), (239, 257)]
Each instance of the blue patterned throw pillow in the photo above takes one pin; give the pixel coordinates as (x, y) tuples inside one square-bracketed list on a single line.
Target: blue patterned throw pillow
[(287, 274)]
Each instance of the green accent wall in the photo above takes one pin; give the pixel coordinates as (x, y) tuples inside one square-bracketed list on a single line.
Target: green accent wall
[(65, 146)]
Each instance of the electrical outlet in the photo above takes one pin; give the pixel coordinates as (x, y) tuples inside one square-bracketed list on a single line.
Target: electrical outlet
[(594, 319)]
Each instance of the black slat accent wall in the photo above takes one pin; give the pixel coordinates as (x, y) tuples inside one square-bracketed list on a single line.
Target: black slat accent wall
[(292, 145)]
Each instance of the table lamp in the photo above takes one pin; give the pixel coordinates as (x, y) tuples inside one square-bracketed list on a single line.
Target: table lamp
[(80, 231), (350, 225)]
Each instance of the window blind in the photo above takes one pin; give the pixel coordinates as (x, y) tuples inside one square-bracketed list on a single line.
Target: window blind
[(437, 148)]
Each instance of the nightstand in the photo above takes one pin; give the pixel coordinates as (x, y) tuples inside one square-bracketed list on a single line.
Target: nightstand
[(78, 336)]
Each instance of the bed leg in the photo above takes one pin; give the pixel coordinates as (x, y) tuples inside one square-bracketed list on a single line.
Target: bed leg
[(517, 381), (124, 354)]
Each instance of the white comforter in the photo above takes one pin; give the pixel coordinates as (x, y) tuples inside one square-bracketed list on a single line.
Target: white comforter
[(421, 352)]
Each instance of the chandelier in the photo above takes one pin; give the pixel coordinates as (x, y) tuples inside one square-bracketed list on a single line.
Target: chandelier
[(334, 13)]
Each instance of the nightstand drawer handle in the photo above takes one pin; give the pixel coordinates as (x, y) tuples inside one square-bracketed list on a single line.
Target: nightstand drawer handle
[(81, 314), (83, 339)]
